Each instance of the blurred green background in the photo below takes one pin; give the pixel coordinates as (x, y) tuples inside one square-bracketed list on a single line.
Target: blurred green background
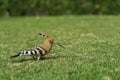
[(58, 7), (92, 42)]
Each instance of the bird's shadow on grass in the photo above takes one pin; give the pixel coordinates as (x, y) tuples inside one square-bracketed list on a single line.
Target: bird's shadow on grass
[(73, 57), (21, 60), (49, 58)]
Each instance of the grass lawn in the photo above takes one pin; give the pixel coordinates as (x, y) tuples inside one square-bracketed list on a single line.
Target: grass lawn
[(92, 48)]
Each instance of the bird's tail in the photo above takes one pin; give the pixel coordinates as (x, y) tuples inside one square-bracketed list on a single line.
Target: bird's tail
[(22, 53), (14, 56)]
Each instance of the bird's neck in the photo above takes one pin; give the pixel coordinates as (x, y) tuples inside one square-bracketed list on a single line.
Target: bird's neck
[(46, 45)]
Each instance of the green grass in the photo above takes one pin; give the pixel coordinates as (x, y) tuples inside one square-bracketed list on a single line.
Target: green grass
[(92, 48)]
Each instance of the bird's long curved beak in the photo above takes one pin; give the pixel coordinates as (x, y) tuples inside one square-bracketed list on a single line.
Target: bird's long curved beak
[(59, 44)]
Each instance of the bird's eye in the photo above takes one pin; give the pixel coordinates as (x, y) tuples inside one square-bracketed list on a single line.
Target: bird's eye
[(43, 35)]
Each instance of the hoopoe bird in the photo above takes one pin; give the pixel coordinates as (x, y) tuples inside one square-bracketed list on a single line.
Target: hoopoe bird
[(39, 51)]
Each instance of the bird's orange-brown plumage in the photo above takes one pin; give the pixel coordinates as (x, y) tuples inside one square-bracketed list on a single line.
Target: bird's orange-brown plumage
[(48, 43)]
